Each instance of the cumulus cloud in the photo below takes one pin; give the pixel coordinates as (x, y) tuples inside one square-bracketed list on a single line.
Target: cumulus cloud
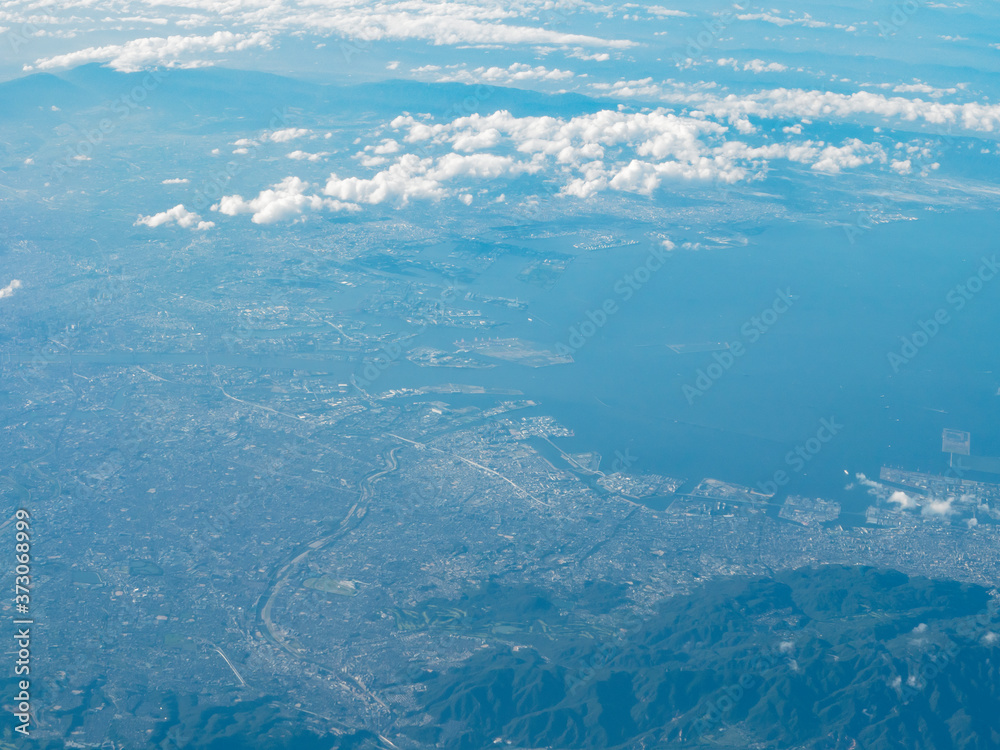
[(659, 10), (281, 202), (939, 508), (904, 501), (514, 73), (754, 66), (581, 54), (439, 23), (356, 24), (804, 20), (414, 178), (148, 52), (796, 104), (864, 481), (608, 150), (304, 156), (854, 153), (287, 134), (177, 215), (10, 288), (759, 66), (923, 88), (176, 181)]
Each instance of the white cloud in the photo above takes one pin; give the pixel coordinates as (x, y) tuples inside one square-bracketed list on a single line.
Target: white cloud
[(176, 215), (176, 181), (797, 104), (439, 23), (287, 134), (759, 66), (303, 156), (414, 178), (754, 66), (286, 200), (923, 88), (939, 508), (854, 153), (581, 54), (155, 51), (515, 73), (804, 20), (904, 501), (354, 23), (10, 288), (659, 10), (608, 150)]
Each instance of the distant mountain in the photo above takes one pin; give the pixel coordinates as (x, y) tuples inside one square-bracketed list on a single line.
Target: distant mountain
[(179, 93), (838, 658)]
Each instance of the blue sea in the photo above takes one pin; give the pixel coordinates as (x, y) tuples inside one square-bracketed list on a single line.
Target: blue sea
[(824, 357)]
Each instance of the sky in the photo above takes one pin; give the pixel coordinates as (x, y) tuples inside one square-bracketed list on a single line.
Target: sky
[(716, 93)]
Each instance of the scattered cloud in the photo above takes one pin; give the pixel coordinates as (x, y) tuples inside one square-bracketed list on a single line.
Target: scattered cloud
[(155, 51), (796, 104), (659, 10), (284, 135), (608, 150), (304, 156), (804, 20), (923, 88), (753, 66), (515, 73), (177, 215), (284, 201), (939, 508), (10, 288), (581, 54), (904, 501), (414, 178)]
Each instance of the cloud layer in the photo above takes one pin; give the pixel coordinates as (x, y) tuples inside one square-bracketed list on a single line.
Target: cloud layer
[(576, 157), (155, 51)]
